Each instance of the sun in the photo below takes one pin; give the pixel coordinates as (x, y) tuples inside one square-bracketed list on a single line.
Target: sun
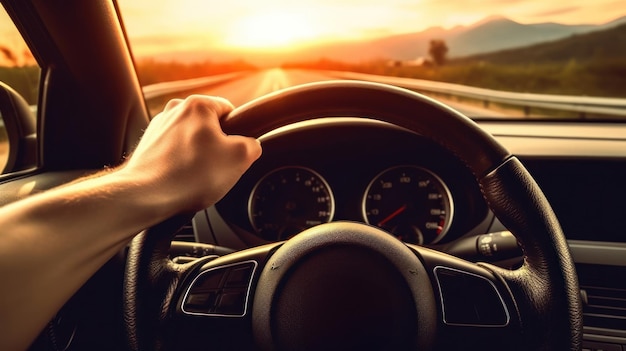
[(270, 31)]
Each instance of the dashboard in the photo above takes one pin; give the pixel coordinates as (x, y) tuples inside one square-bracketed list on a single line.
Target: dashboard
[(580, 167)]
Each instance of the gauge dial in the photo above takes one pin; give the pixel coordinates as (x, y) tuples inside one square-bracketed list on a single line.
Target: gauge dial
[(410, 202), (288, 201)]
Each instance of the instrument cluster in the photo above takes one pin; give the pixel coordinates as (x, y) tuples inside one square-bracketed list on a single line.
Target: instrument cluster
[(410, 202), (366, 172)]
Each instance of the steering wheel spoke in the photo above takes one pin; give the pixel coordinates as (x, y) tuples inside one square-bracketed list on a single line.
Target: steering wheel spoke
[(213, 306), (475, 307)]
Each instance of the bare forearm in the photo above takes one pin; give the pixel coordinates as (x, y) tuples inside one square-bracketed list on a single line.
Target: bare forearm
[(55, 241)]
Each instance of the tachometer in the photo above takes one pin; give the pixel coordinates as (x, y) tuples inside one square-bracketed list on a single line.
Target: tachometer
[(410, 202), (289, 200)]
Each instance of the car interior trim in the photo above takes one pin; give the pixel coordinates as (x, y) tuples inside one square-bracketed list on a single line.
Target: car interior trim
[(532, 139), (596, 252)]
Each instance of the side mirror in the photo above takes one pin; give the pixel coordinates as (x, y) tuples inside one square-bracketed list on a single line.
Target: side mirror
[(21, 127)]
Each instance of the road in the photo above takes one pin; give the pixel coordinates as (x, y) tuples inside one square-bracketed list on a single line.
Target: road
[(259, 83), (263, 82)]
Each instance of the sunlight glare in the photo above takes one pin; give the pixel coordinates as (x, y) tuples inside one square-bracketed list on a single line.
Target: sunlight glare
[(270, 30)]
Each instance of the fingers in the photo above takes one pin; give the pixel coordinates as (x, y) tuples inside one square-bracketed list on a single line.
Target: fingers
[(198, 106), (206, 112), (201, 104), (172, 104)]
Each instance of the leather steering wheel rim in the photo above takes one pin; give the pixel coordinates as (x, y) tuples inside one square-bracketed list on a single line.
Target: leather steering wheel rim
[(545, 289)]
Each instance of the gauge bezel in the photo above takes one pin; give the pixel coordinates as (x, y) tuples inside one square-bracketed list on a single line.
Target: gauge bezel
[(293, 167), (442, 184)]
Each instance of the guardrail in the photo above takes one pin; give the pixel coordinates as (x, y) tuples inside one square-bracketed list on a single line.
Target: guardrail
[(583, 105), (159, 89)]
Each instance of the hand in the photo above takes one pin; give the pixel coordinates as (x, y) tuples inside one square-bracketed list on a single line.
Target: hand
[(186, 159)]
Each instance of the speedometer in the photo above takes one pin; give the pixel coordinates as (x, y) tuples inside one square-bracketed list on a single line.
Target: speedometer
[(410, 202), (288, 201)]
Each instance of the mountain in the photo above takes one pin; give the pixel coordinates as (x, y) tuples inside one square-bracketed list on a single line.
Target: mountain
[(616, 22), (504, 33), (604, 45), (493, 33)]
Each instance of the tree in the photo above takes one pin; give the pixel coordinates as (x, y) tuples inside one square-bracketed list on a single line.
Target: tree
[(438, 51)]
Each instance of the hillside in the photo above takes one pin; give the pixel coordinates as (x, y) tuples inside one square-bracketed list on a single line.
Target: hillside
[(491, 34), (503, 33), (605, 45)]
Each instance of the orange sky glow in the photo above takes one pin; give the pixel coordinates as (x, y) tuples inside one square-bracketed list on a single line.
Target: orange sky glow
[(276, 25)]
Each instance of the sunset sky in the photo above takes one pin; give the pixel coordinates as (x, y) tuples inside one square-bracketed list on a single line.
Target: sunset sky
[(282, 24), (192, 25)]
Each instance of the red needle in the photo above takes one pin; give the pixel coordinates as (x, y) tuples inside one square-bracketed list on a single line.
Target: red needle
[(391, 216)]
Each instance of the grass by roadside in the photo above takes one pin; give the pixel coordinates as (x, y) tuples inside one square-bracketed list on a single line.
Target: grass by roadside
[(606, 78)]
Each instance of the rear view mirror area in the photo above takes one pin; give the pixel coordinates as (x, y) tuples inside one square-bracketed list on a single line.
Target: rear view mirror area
[(18, 132)]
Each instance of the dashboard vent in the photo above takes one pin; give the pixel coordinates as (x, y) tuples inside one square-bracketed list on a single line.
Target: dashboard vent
[(604, 307), (186, 233)]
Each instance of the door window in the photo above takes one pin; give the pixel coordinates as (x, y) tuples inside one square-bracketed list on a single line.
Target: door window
[(18, 70)]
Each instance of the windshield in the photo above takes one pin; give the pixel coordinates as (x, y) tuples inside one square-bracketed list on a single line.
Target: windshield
[(504, 59)]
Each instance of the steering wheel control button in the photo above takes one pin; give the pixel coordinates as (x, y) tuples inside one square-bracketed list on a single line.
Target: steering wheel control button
[(232, 303), (210, 281), (220, 291), (239, 276), (470, 300), (200, 302)]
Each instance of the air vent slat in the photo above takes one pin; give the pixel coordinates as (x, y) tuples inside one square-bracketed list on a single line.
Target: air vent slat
[(604, 303), (605, 307), (603, 300), (606, 311), (605, 292), (186, 233)]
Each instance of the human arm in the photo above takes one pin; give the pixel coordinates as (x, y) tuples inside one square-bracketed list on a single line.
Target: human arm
[(183, 163)]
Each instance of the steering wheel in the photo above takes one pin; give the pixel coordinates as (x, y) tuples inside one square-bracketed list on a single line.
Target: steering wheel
[(347, 285)]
